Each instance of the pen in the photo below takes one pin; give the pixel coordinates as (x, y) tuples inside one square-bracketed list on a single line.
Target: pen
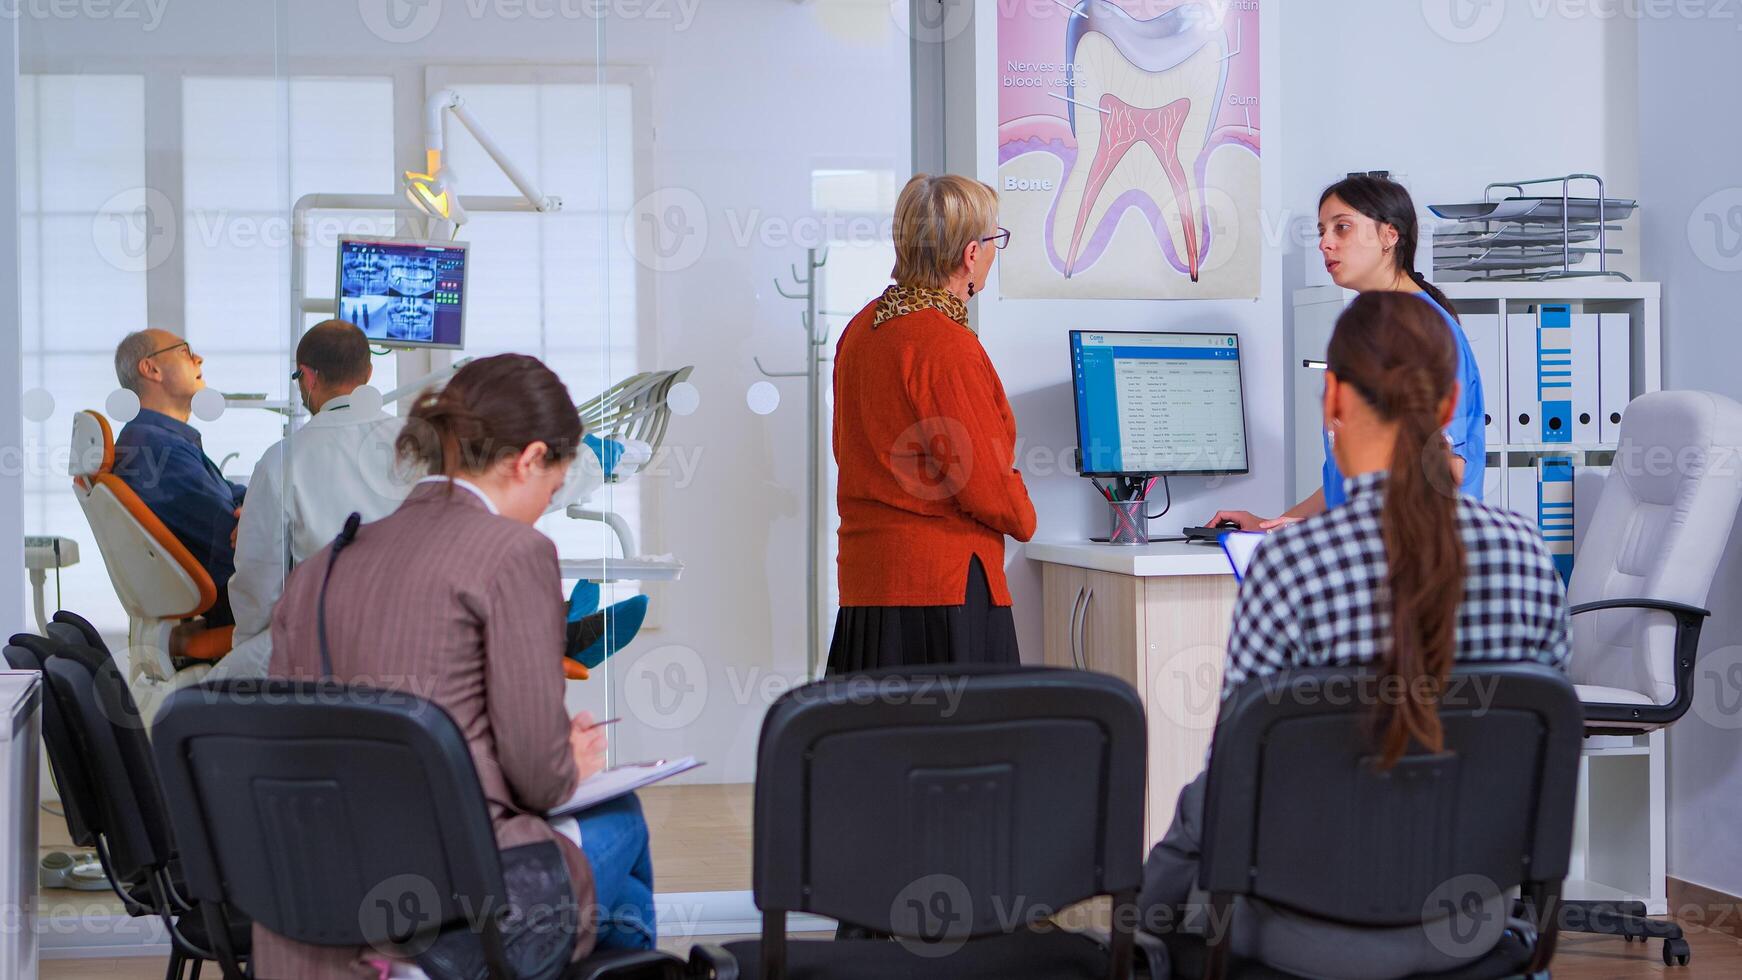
[(602, 724)]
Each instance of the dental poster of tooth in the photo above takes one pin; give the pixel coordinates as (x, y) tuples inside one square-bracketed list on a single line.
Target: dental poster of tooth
[(1128, 143)]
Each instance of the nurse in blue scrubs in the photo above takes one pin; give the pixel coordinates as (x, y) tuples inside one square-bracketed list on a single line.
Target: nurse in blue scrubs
[(1367, 235)]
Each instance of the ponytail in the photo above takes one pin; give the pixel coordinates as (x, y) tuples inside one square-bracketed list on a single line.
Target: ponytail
[(492, 408), (1399, 356), (1434, 293)]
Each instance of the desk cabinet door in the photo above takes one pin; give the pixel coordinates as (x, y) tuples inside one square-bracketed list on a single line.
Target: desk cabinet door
[(1063, 588), (1110, 631)]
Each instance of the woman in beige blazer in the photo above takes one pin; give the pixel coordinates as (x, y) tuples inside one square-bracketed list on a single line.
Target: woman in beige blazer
[(456, 597)]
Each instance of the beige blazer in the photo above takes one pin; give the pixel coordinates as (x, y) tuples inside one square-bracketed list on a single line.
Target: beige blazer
[(448, 601)]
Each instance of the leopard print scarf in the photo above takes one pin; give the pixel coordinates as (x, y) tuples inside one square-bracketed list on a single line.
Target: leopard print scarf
[(899, 300)]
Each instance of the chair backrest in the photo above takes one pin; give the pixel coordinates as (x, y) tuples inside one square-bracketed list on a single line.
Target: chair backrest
[(1658, 531), (154, 574), (331, 815), (930, 802), (1296, 813), (78, 798), (62, 621), (129, 810)]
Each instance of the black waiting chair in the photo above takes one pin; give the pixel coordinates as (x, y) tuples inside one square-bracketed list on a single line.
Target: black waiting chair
[(1297, 815), (342, 816), (954, 811), (103, 769)]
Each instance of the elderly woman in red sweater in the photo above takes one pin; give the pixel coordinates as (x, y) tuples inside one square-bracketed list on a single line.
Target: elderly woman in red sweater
[(926, 446)]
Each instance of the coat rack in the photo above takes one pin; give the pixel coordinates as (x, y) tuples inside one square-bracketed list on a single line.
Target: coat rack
[(816, 339)]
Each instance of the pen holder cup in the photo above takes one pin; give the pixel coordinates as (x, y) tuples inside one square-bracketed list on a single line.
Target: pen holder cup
[(1128, 522)]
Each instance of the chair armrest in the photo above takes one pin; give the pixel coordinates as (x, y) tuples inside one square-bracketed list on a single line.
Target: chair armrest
[(710, 962), (1680, 609), (1688, 622)]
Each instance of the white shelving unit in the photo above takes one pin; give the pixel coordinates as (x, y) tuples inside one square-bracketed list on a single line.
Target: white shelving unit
[(1620, 842)]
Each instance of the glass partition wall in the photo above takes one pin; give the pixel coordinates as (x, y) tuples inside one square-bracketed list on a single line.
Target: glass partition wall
[(654, 198)]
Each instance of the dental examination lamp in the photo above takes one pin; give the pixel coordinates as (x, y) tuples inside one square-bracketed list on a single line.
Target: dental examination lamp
[(436, 191)]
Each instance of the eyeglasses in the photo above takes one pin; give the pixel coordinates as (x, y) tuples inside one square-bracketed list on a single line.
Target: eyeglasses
[(182, 344), (1000, 240)]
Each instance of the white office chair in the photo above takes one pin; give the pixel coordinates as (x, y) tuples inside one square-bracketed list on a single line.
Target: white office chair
[(161, 586), (1640, 583)]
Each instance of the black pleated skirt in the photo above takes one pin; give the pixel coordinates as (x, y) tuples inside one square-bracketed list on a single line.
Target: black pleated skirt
[(976, 632)]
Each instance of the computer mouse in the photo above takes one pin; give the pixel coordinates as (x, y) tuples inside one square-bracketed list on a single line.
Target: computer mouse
[(1228, 525)]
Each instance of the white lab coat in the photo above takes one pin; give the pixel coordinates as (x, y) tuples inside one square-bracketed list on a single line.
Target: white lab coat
[(342, 461)]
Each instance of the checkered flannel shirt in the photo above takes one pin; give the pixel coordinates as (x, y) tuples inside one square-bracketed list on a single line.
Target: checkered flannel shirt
[(1315, 594)]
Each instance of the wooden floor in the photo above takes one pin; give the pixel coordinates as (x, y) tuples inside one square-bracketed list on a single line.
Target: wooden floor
[(1580, 958)]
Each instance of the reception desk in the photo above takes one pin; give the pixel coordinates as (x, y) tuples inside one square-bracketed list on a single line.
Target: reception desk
[(1156, 615)]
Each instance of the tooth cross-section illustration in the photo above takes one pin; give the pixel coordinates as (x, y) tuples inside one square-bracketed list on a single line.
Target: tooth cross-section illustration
[(1153, 83)]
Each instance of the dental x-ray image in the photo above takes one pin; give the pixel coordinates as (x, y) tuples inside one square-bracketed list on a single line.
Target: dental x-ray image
[(403, 293)]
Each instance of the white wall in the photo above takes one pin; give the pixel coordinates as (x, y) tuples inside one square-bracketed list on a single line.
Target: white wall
[(1689, 150)]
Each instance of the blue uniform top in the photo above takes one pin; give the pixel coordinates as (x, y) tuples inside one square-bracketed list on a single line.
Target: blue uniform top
[(1466, 432)]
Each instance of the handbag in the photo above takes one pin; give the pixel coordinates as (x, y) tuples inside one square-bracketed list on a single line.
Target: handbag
[(538, 929)]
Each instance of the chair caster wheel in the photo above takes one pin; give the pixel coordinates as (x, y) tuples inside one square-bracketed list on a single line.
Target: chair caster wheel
[(1676, 952)]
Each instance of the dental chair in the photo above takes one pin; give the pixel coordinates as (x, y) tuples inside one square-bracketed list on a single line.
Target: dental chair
[(162, 587), (633, 414), (625, 427)]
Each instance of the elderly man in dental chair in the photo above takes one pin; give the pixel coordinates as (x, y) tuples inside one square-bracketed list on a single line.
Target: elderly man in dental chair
[(160, 456)]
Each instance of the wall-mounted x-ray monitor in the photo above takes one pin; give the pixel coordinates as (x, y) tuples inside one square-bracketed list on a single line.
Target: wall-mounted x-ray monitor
[(404, 293)]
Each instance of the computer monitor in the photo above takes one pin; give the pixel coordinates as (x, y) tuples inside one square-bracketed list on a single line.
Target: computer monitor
[(404, 293), (1151, 404)]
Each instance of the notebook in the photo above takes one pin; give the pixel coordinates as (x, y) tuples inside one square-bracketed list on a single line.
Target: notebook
[(627, 778), (1240, 546)]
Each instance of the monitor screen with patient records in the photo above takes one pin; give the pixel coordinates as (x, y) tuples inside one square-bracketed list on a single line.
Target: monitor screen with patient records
[(1158, 403), (404, 293)]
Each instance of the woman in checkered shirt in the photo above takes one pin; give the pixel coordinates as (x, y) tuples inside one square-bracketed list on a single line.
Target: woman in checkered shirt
[(1409, 575)]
